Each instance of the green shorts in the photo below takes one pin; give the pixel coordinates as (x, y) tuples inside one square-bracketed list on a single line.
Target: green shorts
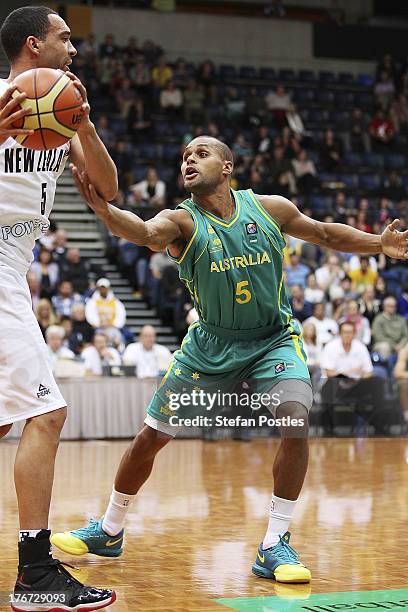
[(208, 367)]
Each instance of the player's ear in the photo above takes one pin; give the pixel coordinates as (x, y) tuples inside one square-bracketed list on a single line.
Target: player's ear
[(228, 167), (33, 44)]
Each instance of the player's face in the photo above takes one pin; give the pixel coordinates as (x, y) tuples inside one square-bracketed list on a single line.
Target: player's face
[(202, 167), (56, 51)]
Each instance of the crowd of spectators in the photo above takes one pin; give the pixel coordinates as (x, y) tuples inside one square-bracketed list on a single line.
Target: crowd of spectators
[(344, 302)]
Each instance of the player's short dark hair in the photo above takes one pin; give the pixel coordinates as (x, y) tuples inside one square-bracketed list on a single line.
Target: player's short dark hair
[(20, 24), (223, 150)]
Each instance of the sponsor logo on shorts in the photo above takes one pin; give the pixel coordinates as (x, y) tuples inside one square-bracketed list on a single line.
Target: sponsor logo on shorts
[(43, 391)]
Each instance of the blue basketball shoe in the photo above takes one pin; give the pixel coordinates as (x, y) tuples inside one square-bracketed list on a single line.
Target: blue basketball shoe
[(280, 562), (91, 539)]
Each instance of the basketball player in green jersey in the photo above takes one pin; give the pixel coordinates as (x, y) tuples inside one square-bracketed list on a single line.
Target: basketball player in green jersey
[(229, 249)]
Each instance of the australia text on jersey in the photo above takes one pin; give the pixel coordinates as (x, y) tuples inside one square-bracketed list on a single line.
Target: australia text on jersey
[(222, 265), (21, 160)]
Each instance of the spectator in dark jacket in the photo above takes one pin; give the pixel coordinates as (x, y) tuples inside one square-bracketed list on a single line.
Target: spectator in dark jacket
[(76, 271)]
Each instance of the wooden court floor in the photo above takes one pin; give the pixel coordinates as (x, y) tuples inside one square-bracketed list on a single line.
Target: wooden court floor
[(192, 533)]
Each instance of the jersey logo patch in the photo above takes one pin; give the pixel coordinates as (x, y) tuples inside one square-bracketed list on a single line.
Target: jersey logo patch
[(251, 228), (280, 367)]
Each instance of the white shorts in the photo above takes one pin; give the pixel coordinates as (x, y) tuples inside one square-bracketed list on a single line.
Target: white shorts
[(27, 384)]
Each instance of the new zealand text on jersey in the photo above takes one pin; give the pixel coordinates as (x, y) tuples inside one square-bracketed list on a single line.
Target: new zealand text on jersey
[(19, 159)]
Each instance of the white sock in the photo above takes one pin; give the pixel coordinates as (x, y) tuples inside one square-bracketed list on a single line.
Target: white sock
[(280, 515), (23, 534), (116, 513)]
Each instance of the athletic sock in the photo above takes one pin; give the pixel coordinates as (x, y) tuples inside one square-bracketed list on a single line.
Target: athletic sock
[(114, 518), (280, 515)]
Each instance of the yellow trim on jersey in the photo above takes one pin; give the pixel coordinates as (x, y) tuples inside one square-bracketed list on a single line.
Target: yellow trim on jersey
[(163, 380), (297, 347), (263, 211), (270, 240), (187, 247), (223, 223)]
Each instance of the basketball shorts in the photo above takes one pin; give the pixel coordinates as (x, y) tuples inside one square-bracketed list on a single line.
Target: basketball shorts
[(208, 371), (27, 385)]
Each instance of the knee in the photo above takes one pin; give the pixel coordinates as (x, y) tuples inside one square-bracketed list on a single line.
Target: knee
[(51, 422), (147, 443), (4, 429), (295, 420)]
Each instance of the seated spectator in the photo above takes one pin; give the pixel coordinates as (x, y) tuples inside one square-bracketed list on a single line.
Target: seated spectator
[(401, 374), (281, 177), (402, 305), (150, 359), (161, 73), (305, 173), (99, 354), (54, 336), (151, 51), (390, 331), (46, 271), (151, 191), (180, 73), (355, 133), (381, 129), (274, 8), (34, 288), (346, 286), (313, 293), (392, 189), (347, 364), (171, 99), (131, 52), (82, 332), (108, 48), (254, 107), (125, 96), (278, 103), (75, 270), (300, 307), (362, 330), (241, 147), (326, 328), (399, 114), (45, 315), (369, 305), (262, 140), (329, 275), (194, 101), (311, 347), (157, 264), (59, 250), (139, 126), (103, 303), (296, 272), (384, 90), (330, 152), (64, 300), (207, 77), (113, 335), (363, 276), (105, 133), (88, 50), (234, 105), (295, 123), (140, 76)]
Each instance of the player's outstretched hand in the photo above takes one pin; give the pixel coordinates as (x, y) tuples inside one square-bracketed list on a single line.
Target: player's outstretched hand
[(85, 106), (395, 243), (10, 112), (89, 193)]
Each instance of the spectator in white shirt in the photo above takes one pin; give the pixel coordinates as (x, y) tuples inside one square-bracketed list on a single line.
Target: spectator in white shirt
[(171, 98), (326, 328), (150, 359), (330, 274), (347, 364), (313, 293), (104, 303), (151, 191), (54, 337), (99, 354)]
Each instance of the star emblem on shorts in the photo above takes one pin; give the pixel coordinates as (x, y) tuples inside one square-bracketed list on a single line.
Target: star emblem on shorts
[(197, 389), (177, 371), (169, 393), (195, 376)]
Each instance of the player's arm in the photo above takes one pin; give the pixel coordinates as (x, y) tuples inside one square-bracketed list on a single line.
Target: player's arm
[(88, 153), (168, 229), (336, 236)]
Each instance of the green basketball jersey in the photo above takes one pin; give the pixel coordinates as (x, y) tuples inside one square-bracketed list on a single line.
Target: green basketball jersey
[(234, 270)]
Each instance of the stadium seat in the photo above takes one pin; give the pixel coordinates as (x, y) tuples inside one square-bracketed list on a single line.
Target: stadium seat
[(227, 71), (317, 115), (350, 180), (147, 150), (268, 74), (394, 161), (286, 74), (346, 78), (304, 96), (369, 181), (139, 173), (337, 116), (248, 72), (325, 97), (171, 151), (365, 79), (321, 204), (363, 100), (326, 76), (344, 99), (352, 159), (306, 75), (163, 129), (373, 160)]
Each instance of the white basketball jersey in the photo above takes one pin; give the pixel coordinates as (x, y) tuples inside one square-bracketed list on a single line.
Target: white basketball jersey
[(28, 181)]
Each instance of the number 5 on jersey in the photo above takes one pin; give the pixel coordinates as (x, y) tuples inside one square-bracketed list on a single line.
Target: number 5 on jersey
[(242, 296), (43, 197)]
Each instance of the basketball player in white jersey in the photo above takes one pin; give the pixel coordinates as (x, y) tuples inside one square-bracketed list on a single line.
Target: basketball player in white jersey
[(35, 37)]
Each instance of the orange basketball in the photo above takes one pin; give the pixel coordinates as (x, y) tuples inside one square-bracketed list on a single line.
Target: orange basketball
[(56, 108)]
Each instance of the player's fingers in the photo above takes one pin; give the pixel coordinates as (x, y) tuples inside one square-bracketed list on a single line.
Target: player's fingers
[(12, 104), (16, 116), (394, 225), (6, 95), (16, 132)]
